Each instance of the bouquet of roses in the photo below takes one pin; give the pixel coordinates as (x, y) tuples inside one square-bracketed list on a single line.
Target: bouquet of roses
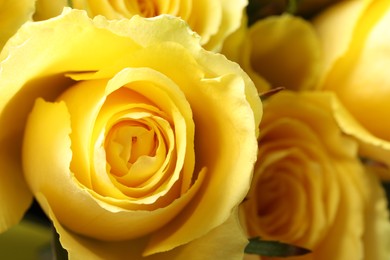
[(201, 129)]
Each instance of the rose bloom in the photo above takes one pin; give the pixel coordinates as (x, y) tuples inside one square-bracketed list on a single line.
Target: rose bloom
[(309, 188), (356, 43), (212, 20), (135, 141), (13, 14), (277, 51)]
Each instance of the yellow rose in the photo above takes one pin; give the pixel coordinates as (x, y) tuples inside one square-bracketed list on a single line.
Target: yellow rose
[(137, 142), (355, 38), (278, 51), (14, 194), (12, 15), (212, 20), (309, 187)]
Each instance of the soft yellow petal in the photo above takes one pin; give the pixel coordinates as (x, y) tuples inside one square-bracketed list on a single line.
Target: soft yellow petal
[(12, 15), (285, 51), (212, 20), (46, 9), (370, 146), (327, 27), (359, 76), (231, 19), (232, 45), (15, 196), (208, 23)]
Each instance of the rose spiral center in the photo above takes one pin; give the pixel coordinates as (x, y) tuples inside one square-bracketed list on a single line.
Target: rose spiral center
[(126, 143), (147, 8)]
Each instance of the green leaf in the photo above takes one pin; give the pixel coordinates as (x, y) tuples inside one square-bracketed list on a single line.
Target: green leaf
[(273, 248), (59, 252), (292, 6)]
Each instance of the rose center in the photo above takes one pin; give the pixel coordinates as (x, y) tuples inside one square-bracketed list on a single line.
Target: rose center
[(147, 8), (126, 143)]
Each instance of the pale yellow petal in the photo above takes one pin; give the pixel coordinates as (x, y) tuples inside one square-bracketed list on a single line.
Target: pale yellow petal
[(359, 76), (327, 27), (208, 23)]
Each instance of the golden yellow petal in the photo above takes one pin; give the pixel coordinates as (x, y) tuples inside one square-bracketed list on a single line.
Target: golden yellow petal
[(15, 196), (26, 53), (370, 146), (345, 243), (376, 236), (47, 140), (226, 158), (46, 9)]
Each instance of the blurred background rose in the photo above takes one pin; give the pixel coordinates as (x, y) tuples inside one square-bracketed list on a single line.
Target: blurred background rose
[(310, 188), (277, 51), (355, 39)]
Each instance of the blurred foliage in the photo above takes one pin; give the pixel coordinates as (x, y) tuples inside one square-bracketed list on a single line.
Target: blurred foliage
[(259, 9), (273, 248)]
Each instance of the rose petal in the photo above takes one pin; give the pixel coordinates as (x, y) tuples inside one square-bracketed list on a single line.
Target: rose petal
[(13, 14), (229, 234), (282, 58), (230, 21), (222, 155), (46, 9), (377, 226), (14, 193), (327, 27), (359, 76), (370, 146)]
